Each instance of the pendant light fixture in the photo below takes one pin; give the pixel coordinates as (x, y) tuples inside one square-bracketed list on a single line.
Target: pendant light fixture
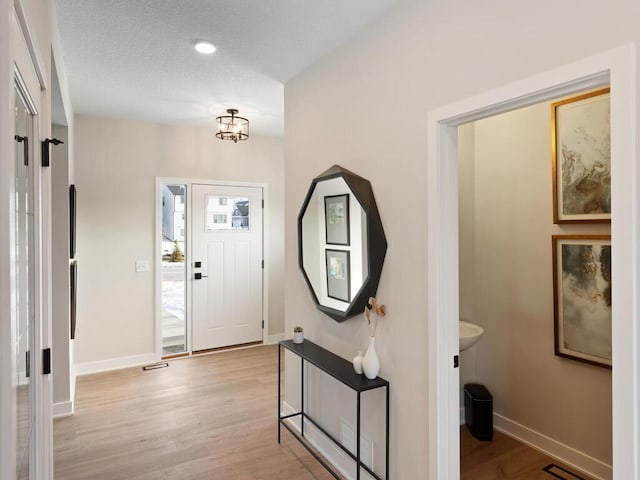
[(232, 127)]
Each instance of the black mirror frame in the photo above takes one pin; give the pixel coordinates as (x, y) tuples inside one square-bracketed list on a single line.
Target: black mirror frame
[(376, 240)]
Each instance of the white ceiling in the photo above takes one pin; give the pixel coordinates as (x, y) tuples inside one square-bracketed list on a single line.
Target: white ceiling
[(135, 58)]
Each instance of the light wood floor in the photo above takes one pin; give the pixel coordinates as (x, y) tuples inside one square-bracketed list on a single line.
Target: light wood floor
[(210, 417), (214, 417), (504, 458)]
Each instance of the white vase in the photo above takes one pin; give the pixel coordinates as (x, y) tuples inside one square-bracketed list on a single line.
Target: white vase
[(357, 363), (298, 337), (371, 362)]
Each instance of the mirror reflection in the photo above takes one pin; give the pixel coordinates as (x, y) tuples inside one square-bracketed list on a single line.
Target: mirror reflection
[(334, 238), (24, 281), (341, 242)]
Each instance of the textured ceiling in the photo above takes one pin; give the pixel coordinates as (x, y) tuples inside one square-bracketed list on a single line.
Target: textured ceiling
[(135, 58)]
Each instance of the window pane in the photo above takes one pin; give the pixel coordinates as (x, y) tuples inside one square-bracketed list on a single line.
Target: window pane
[(23, 270), (174, 338), (227, 213)]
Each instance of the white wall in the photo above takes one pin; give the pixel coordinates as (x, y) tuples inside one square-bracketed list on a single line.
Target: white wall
[(61, 177), (116, 162), (466, 245), (63, 380), (381, 85), (507, 242)]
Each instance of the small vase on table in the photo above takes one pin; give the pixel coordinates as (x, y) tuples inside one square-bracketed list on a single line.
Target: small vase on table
[(371, 362), (357, 363)]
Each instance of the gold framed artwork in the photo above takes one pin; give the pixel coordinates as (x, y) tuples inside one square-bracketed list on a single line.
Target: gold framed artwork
[(581, 158), (582, 298)]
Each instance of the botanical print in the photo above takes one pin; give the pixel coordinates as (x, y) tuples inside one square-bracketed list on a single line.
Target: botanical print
[(336, 267), (336, 213), (338, 279), (585, 308), (583, 156)]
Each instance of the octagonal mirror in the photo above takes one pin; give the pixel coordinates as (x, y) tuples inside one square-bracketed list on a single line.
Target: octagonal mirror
[(341, 242)]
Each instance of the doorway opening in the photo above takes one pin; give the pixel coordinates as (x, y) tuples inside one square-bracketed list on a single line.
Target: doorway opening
[(506, 278), (617, 68), (211, 279)]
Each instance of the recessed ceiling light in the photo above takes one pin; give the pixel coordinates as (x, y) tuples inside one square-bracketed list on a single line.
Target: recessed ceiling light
[(206, 48)]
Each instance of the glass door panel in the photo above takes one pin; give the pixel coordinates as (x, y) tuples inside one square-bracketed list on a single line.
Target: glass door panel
[(24, 281), (173, 276), (227, 213)]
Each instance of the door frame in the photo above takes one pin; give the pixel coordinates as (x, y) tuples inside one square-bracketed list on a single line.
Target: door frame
[(617, 67), (188, 259), (25, 52), (7, 354)]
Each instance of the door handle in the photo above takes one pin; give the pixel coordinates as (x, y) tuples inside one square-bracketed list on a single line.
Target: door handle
[(25, 142), (198, 276)]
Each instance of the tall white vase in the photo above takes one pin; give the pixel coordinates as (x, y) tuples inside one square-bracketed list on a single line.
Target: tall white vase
[(371, 362)]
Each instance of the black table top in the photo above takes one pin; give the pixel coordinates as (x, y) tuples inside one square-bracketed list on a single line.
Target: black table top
[(337, 367)]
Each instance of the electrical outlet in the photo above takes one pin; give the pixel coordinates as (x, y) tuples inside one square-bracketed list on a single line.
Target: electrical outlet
[(347, 437), (348, 440)]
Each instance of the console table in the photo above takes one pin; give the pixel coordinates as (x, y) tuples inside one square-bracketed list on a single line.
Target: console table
[(341, 370)]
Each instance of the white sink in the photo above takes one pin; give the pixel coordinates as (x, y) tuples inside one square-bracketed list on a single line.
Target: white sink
[(469, 334)]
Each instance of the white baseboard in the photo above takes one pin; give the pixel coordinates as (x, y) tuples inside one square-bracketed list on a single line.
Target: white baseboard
[(72, 371), (568, 455), (62, 409), (271, 339), (114, 364), (343, 464), (73, 384)]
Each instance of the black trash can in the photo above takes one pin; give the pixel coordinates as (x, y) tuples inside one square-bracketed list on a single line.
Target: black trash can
[(478, 411)]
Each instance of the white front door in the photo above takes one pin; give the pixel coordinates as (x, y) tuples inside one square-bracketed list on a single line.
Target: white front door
[(227, 265)]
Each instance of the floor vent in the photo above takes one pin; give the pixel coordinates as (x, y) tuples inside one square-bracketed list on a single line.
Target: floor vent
[(559, 472), (155, 366)]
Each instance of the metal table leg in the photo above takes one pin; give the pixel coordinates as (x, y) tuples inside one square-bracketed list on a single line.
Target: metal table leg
[(279, 392), (302, 395), (358, 438), (386, 477)]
